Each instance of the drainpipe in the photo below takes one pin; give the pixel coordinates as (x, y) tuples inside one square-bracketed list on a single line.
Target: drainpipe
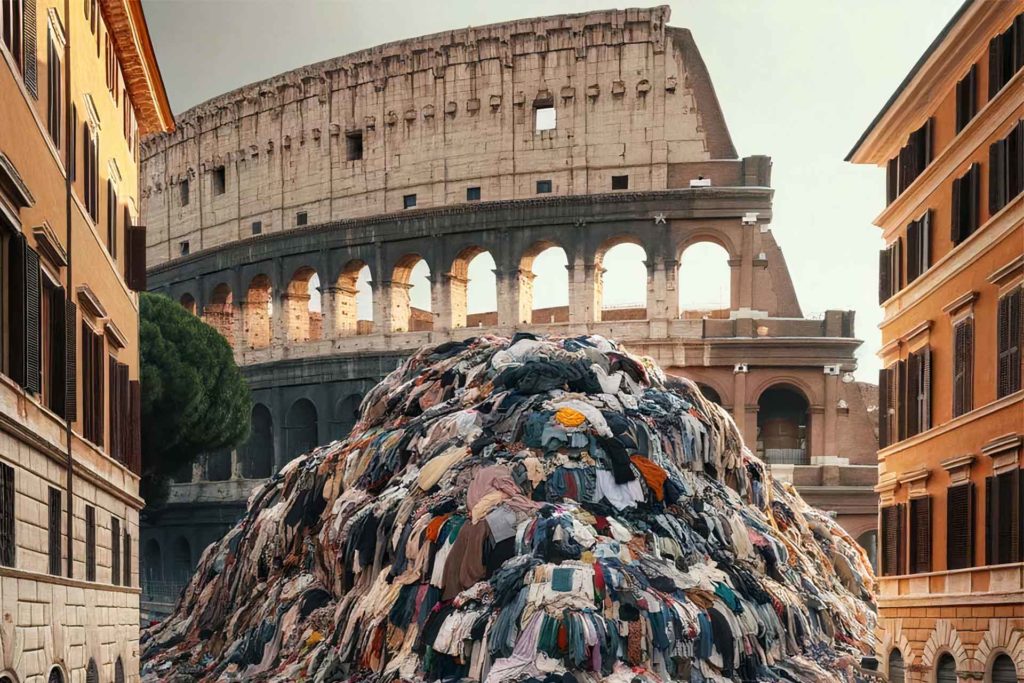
[(69, 161)]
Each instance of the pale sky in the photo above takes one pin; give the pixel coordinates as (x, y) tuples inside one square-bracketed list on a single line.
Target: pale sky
[(798, 80)]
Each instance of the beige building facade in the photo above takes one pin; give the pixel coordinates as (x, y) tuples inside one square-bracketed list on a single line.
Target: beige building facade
[(78, 86)]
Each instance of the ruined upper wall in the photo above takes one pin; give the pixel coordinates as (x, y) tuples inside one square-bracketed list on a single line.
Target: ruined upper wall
[(438, 115)]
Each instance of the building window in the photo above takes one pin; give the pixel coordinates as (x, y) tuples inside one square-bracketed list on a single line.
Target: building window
[(543, 187), (945, 670), (963, 366), (1002, 518), (1005, 57), (183, 248), (91, 164), (409, 201), (54, 93), (257, 227), (8, 542), (472, 194), (620, 182), (53, 530), (219, 180), (113, 70), (13, 31), (920, 535), (890, 270), (90, 543), (183, 188), (301, 218), (115, 551), (967, 98), (544, 117), (896, 669), (919, 246), (918, 392), (1006, 169), (54, 332), (92, 385), (964, 220), (1009, 338), (960, 526), (119, 446), (892, 540), (92, 672), (126, 558), (913, 158), (111, 220), (354, 145), (1003, 670)]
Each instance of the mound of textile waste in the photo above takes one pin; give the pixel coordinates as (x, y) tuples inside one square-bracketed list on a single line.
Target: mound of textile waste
[(526, 509)]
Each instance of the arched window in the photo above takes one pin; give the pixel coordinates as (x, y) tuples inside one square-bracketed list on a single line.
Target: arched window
[(259, 308), (6, 679), (218, 465), (304, 320), (188, 302), (896, 671), (346, 413), (1003, 670), (709, 393), (621, 281), (181, 561), (300, 428), (258, 452), (543, 285), (473, 289), (704, 282), (118, 671), (152, 568), (869, 541), (56, 676), (945, 670), (782, 427), (353, 300), (92, 672), (410, 295), (220, 312)]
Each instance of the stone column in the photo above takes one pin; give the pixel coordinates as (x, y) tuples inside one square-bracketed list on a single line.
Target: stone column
[(279, 320), (816, 427), (746, 274), (380, 305), (508, 313), (448, 301), (345, 311), (831, 417), (237, 327), (329, 311), (739, 404), (295, 316), (395, 296), (577, 292), (524, 296), (592, 290), (670, 267)]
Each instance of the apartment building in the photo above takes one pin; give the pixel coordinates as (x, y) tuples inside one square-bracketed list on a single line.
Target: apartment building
[(952, 407), (79, 84)]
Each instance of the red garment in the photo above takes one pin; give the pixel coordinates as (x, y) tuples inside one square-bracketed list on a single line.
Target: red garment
[(653, 474), (563, 637), (434, 528)]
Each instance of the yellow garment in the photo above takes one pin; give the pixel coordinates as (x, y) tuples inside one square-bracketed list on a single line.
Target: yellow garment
[(569, 417), (432, 472)]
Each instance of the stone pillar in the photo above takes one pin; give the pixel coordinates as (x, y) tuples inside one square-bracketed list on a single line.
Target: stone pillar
[(524, 296), (816, 427), (831, 417), (279, 320), (739, 403), (448, 299), (344, 311), (592, 290), (577, 292), (397, 309), (746, 274), (237, 327), (670, 267), (328, 312), (380, 305), (508, 313), (257, 324), (295, 314)]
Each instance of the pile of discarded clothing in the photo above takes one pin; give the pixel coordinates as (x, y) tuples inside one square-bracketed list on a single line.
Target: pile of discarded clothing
[(526, 510)]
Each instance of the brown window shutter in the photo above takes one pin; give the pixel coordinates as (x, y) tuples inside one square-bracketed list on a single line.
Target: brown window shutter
[(71, 362), (926, 143), (57, 378), (135, 391), (956, 213), (891, 410), (33, 322), (960, 526), (913, 249), (16, 303), (98, 382), (912, 390), (114, 448), (892, 540), (925, 390), (925, 257), (991, 537), (135, 266), (884, 285), (900, 398), (31, 61), (126, 558), (1007, 488), (90, 543), (996, 176), (897, 265), (115, 551), (892, 180), (963, 359), (1009, 339), (974, 188), (883, 407), (920, 535), (994, 62)]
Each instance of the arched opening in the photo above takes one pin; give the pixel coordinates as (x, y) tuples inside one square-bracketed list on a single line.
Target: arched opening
[(220, 312), (259, 309), (896, 669), (782, 426), (218, 465), (181, 561), (709, 393), (258, 451), (92, 672), (346, 414), (152, 568), (410, 295), (473, 289), (300, 425), (56, 676), (301, 303), (945, 669), (869, 541), (118, 671), (188, 302), (1003, 670), (353, 300), (704, 282), (543, 269), (183, 475), (620, 281)]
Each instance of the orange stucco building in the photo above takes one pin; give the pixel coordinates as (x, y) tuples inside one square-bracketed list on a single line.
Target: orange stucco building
[(952, 409)]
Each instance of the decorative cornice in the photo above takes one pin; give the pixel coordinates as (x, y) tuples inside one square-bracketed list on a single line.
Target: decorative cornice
[(957, 462), (48, 244), (1005, 272), (90, 301)]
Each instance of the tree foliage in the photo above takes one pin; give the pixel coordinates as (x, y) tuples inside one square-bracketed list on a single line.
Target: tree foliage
[(194, 398)]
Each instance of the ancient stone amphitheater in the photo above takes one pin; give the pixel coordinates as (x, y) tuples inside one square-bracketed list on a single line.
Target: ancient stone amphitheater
[(281, 210)]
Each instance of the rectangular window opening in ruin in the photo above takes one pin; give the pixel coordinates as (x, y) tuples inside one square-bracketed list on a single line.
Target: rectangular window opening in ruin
[(543, 187), (184, 192), (354, 145), (544, 117), (472, 194), (257, 227), (183, 248), (219, 180), (620, 182), (301, 218), (409, 201)]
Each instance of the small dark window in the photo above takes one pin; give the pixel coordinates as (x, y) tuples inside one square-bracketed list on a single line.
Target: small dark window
[(92, 672), (90, 543), (183, 248), (219, 180), (920, 535), (544, 117), (966, 195), (257, 227), (963, 366), (967, 98), (53, 531), (126, 558), (409, 201), (1005, 57), (472, 194), (543, 187), (1009, 342), (7, 539), (111, 220), (301, 218), (620, 182), (354, 145), (183, 188), (960, 526), (115, 551)]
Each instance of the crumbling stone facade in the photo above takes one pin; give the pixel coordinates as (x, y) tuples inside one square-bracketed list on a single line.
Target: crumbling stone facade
[(639, 154)]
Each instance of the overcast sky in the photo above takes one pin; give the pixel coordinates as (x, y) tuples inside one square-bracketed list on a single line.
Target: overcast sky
[(798, 80)]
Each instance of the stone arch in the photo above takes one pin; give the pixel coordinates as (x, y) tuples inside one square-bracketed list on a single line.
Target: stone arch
[(300, 425), (258, 451), (218, 465), (219, 313), (258, 310), (622, 262), (152, 562), (783, 425), (543, 267), (406, 277), (56, 675), (706, 235), (704, 280), (119, 670), (346, 414), (473, 288), (180, 559), (353, 291), (92, 672), (300, 302), (188, 302), (944, 638), (709, 392), (894, 638), (1002, 669), (1003, 636)]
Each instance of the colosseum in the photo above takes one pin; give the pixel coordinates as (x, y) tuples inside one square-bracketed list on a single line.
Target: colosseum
[(301, 214)]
